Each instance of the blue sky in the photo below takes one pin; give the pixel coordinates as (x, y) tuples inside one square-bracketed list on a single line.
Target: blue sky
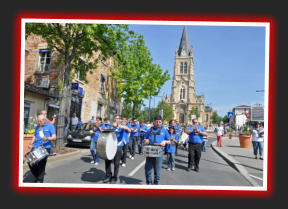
[(229, 61)]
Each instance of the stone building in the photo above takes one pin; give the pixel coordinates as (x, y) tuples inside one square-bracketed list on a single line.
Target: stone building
[(42, 81), (183, 97)]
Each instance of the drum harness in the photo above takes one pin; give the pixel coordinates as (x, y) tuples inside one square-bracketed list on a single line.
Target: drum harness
[(155, 133)]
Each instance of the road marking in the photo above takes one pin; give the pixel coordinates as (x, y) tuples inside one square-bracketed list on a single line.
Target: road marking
[(256, 177), (137, 168)]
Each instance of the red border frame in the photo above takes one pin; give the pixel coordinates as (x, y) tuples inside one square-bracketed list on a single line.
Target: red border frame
[(132, 191)]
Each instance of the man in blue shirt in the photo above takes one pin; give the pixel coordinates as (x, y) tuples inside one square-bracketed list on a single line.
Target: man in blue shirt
[(119, 131), (159, 135), (96, 131), (134, 137), (44, 134), (196, 134), (143, 130), (126, 134)]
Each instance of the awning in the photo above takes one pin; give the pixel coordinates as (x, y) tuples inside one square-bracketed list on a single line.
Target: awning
[(53, 105)]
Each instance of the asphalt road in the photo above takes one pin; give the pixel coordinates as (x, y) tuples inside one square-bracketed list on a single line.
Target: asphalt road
[(76, 168)]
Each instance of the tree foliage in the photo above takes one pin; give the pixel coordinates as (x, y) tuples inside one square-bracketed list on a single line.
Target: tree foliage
[(168, 113), (137, 76), (216, 118)]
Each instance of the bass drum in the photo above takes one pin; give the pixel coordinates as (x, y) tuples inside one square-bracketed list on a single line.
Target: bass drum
[(107, 145)]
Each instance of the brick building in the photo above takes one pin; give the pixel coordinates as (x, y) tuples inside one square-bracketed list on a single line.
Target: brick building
[(42, 80)]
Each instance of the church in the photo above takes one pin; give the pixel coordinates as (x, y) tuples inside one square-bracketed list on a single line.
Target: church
[(183, 98)]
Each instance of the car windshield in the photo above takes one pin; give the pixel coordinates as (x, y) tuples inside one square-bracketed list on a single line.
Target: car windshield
[(85, 126)]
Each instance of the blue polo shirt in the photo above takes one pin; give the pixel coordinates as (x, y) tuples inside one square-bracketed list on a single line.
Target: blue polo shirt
[(170, 148), (126, 133), (144, 128), (164, 135), (48, 130), (137, 126), (196, 138), (96, 133), (107, 125), (119, 134)]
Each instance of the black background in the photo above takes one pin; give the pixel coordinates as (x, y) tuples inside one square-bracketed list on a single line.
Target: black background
[(250, 8)]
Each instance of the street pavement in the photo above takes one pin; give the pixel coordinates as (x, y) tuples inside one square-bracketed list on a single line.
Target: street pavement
[(241, 159), (75, 167)]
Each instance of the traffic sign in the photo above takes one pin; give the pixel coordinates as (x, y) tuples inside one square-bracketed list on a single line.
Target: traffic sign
[(230, 114)]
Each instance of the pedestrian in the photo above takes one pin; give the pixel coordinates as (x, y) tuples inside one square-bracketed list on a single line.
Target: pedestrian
[(196, 134), (92, 120), (74, 122), (171, 148), (258, 141), (126, 133), (219, 133), (134, 137), (205, 139), (159, 135), (95, 132), (44, 132), (119, 131), (143, 131)]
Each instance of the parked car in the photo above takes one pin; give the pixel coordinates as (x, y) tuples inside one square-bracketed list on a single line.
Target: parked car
[(80, 136)]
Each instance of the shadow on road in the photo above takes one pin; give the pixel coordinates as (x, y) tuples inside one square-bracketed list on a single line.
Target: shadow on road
[(28, 177), (93, 175), (128, 180), (86, 159)]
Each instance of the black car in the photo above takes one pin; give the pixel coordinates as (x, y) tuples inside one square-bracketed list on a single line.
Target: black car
[(80, 136)]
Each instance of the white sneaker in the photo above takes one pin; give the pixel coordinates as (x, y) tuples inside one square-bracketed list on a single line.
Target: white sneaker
[(123, 165), (92, 162), (96, 163), (168, 169), (132, 158), (173, 169)]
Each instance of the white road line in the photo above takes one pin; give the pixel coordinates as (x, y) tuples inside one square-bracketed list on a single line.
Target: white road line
[(256, 177), (137, 168)]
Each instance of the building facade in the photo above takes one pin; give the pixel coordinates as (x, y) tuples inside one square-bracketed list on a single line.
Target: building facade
[(183, 97), (42, 80)]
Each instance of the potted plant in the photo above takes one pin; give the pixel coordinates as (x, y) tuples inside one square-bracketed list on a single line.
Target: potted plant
[(229, 131), (29, 130), (245, 137)]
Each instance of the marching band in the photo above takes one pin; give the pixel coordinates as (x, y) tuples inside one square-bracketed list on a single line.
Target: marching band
[(112, 142)]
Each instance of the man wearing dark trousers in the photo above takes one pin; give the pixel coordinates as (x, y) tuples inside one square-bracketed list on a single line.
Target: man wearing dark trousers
[(119, 131), (196, 134)]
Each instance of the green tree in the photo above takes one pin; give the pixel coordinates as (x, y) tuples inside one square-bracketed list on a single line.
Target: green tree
[(215, 118), (137, 76), (193, 111), (167, 111), (76, 46)]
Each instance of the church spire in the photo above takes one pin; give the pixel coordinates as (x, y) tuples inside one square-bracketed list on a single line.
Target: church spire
[(184, 43)]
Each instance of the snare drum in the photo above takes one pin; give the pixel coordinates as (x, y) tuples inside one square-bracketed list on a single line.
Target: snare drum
[(36, 155), (107, 144), (152, 150)]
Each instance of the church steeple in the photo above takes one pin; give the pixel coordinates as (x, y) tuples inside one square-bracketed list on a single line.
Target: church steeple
[(184, 47)]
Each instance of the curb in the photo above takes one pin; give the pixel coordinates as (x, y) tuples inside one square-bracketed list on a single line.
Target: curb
[(235, 164)]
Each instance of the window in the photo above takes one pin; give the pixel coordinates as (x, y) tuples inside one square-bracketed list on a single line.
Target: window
[(27, 107), (102, 82), (185, 68), (181, 68), (99, 110), (182, 93), (44, 60)]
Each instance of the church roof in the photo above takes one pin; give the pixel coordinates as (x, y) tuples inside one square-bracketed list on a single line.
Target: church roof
[(184, 43)]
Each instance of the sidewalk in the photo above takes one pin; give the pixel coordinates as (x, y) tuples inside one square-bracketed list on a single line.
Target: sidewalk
[(241, 159)]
